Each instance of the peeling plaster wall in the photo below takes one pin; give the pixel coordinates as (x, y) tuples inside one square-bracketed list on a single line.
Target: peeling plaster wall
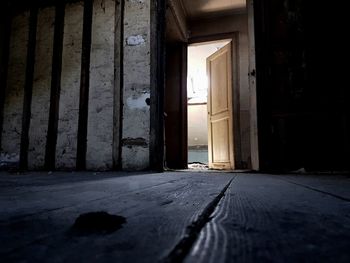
[(100, 117), (13, 108), (102, 107), (41, 88), (70, 87), (136, 111)]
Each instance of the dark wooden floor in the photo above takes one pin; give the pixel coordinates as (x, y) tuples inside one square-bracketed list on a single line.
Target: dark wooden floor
[(174, 217)]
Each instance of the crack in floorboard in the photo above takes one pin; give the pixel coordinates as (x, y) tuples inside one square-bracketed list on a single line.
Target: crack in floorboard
[(22, 217), (318, 190), (183, 247)]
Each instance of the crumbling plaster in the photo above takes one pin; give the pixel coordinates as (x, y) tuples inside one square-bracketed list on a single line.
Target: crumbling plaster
[(136, 90), (67, 134), (13, 107), (104, 81), (101, 93), (41, 88)]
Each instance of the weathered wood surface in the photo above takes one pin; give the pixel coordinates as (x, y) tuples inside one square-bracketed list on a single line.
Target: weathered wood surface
[(264, 218), (260, 218), (337, 186), (36, 218)]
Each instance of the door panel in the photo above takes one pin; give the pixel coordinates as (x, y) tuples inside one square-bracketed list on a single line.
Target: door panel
[(220, 121), (220, 131), (220, 79)]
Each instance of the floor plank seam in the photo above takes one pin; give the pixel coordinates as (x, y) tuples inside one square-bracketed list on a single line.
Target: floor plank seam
[(318, 190), (183, 247), (26, 216)]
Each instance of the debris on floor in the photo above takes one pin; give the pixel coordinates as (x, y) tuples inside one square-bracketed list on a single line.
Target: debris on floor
[(198, 166)]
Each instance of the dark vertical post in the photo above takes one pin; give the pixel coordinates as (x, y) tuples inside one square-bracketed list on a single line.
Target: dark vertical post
[(27, 101), (157, 84), (84, 85), (237, 138), (50, 154), (5, 32), (183, 107), (119, 83)]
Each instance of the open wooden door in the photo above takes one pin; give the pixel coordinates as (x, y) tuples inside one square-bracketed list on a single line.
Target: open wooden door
[(220, 119)]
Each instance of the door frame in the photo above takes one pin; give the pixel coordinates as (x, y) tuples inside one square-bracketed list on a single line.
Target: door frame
[(233, 37), (254, 138), (156, 147), (158, 47)]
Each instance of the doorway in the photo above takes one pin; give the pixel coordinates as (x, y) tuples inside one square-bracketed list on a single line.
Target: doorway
[(190, 27), (200, 136)]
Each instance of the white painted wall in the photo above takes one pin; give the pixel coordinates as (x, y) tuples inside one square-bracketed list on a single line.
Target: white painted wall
[(137, 81), (66, 149), (41, 88), (13, 107), (99, 153), (197, 125)]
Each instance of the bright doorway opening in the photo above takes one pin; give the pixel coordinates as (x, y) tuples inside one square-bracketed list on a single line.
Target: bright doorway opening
[(197, 101), (220, 33)]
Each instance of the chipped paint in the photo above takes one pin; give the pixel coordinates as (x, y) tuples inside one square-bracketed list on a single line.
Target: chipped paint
[(138, 103), (135, 40), (70, 88), (137, 1)]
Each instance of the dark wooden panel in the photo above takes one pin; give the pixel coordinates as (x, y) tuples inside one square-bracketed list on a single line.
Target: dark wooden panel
[(119, 84), (158, 8), (5, 29), (28, 88), (176, 106), (50, 154), (84, 85), (303, 109)]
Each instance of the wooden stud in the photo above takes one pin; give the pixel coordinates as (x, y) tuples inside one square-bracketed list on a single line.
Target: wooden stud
[(157, 84), (5, 32), (50, 154), (254, 143), (236, 107), (183, 107), (84, 85), (119, 83), (28, 88)]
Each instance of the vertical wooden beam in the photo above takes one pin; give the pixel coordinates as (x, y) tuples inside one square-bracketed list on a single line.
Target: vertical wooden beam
[(28, 87), (119, 79), (254, 143), (157, 84), (236, 98), (175, 106), (5, 32), (51, 141), (183, 106), (84, 85)]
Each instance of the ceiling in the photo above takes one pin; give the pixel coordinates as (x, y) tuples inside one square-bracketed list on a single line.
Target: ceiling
[(196, 9)]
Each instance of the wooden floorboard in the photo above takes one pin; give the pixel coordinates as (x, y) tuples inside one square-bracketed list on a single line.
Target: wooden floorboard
[(265, 219), (258, 218), (157, 207), (336, 185)]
